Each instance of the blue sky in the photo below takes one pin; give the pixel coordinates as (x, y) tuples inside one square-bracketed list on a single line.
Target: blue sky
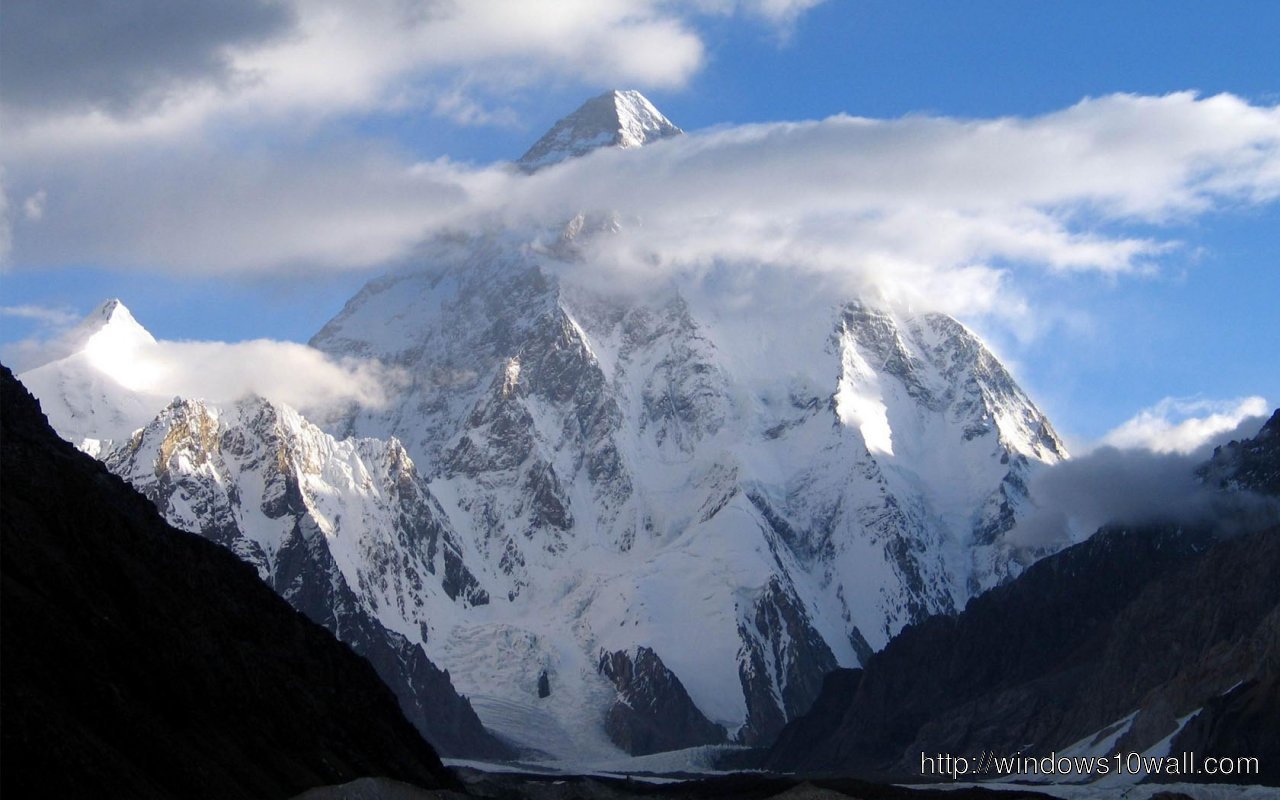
[(1196, 321)]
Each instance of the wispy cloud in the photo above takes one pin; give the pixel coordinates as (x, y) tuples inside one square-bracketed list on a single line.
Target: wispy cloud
[(53, 316), (151, 372)]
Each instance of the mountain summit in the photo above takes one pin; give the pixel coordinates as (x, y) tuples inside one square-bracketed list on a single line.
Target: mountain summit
[(111, 320), (86, 392), (614, 119)]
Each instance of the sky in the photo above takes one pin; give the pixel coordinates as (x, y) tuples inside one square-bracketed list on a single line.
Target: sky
[(1092, 186)]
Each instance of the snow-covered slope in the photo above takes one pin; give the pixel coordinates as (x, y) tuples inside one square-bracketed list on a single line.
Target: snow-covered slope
[(88, 395), (753, 500), (614, 119)]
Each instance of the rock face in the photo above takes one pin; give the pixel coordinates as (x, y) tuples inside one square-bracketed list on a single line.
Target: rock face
[(754, 492), (1251, 465), (142, 661), (1133, 632), (652, 712), (347, 532), (638, 473)]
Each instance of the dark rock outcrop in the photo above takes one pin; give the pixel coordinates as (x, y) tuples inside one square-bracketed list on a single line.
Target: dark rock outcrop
[(142, 661), (1253, 464), (782, 663), (1242, 722), (653, 712), (822, 720), (1130, 620), (310, 580)]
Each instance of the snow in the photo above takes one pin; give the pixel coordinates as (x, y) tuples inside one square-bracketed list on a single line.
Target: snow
[(712, 400), (693, 760), (619, 118), (669, 552), (92, 392)]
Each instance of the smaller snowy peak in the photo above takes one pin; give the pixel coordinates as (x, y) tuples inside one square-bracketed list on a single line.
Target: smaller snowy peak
[(110, 322), (86, 389), (614, 119)]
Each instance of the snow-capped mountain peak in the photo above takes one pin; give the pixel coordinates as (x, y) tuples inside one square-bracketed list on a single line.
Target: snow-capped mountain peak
[(614, 119), (89, 393), (108, 327)]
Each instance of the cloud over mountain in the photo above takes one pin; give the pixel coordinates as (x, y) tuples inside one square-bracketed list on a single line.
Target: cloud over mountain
[(933, 211)]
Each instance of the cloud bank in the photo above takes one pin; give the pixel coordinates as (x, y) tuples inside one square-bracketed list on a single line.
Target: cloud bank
[(933, 211), (149, 70), (284, 372), (1153, 480)]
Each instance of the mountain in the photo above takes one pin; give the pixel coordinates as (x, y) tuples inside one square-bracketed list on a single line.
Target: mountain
[(87, 393), (639, 474), (347, 532), (1156, 639), (741, 496), (614, 119), (636, 519), (142, 661)]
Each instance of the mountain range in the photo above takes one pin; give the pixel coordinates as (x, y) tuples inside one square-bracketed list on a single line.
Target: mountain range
[(593, 519)]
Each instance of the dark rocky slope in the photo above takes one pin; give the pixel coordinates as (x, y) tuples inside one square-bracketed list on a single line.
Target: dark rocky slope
[(1158, 620), (141, 661), (652, 712)]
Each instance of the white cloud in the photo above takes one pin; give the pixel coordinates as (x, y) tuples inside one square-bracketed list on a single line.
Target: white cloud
[(783, 10), (927, 210), (33, 206), (45, 315), (285, 372), (776, 12), (155, 371), (329, 57), (204, 210), (931, 211), (1183, 425)]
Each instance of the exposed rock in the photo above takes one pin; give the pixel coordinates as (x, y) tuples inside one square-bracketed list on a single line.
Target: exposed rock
[(1144, 626), (601, 463), (653, 711), (259, 480), (783, 665), (1242, 722)]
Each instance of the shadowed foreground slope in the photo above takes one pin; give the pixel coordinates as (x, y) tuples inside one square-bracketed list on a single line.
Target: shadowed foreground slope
[(141, 661)]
